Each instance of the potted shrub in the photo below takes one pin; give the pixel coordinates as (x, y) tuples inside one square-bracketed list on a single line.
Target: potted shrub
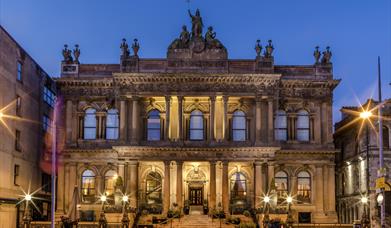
[(186, 207), (205, 207)]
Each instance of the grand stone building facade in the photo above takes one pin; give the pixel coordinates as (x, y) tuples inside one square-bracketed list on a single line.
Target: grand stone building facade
[(358, 162), (198, 128)]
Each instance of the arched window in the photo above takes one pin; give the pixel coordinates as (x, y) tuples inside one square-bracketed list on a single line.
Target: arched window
[(196, 125), (112, 124), (238, 186), (153, 126), (90, 124), (281, 183), (303, 126), (304, 187), (386, 137), (88, 186), (153, 190), (239, 126), (110, 180), (280, 126)]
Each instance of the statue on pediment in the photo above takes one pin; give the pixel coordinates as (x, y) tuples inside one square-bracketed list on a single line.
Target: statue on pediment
[(326, 56), (182, 41), (269, 49), (67, 54), (76, 53), (197, 25), (258, 48), (124, 48), (211, 41), (317, 54)]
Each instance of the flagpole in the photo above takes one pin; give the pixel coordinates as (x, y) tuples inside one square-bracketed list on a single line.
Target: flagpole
[(381, 161), (54, 145)]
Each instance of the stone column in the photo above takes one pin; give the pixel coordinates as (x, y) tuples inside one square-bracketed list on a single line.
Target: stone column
[(258, 120), (68, 120), (270, 175), (225, 192), (212, 184), (60, 190), (166, 189), (180, 117), (121, 171), (135, 120), (319, 189), (179, 182), (225, 121), (167, 126), (270, 118), (122, 120), (331, 189), (129, 118), (212, 118), (133, 184), (258, 185)]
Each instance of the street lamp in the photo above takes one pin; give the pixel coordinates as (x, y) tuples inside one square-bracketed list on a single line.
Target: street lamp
[(125, 219), (289, 220), (27, 217), (380, 198), (102, 217), (266, 219), (365, 115)]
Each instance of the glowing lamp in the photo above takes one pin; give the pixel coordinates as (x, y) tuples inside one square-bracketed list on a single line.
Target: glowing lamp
[(266, 199), (103, 198), (364, 200), (289, 199), (125, 198), (380, 198), (365, 115), (27, 197)]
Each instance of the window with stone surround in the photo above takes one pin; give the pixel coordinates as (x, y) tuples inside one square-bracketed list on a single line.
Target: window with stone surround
[(18, 146), (90, 124), (19, 68), (88, 186), (110, 180), (303, 126), (280, 126), (154, 126), (281, 183), (196, 129), (153, 188), (112, 124), (239, 128), (238, 186), (18, 106), (304, 187)]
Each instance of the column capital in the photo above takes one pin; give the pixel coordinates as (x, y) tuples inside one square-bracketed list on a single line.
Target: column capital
[(212, 98), (132, 162), (225, 98), (167, 98), (258, 163), (179, 162), (167, 163)]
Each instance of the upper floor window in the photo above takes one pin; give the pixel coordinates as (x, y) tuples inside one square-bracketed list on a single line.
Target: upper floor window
[(110, 179), (112, 124), (153, 126), (88, 186), (196, 130), (18, 146), (239, 130), (19, 69), (48, 96), (16, 175), (281, 182), (90, 124), (18, 105), (280, 126), (304, 187), (303, 126)]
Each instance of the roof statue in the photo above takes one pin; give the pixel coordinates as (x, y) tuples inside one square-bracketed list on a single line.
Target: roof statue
[(326, 56), (197, 25), (317, 54)]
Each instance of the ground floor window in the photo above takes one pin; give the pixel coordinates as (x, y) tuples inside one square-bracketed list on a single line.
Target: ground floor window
[(153, 191)]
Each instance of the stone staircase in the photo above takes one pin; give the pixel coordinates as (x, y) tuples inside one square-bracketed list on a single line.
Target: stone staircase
[(197, 220)]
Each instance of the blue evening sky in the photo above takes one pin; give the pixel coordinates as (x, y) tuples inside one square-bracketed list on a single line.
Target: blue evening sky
[(357, 31)]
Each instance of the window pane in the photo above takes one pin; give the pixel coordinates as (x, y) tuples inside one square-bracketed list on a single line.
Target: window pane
[(196, 134), (238, 185), (196, 125), (280, 134), (153, 134), (304, 187), (239, 135), (303, 119), (112, 124), (303, 135), (196, 122), (89, 133), (112, 133), (153, 126)]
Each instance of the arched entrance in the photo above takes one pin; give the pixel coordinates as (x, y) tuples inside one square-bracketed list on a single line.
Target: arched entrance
[(196, 180)]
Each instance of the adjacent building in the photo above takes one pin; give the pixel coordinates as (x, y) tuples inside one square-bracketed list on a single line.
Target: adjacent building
[(357, 162), (198, 128), (26, 101)]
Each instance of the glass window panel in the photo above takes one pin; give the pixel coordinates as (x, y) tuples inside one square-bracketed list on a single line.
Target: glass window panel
[(303, 125), (239, 135), (196, 125), (280, 126), (303, 135), (112, 124), (239, 126), (110, 180), (281, 185), (304, 187), (196, 134), (90, 124), (88, 186), (153, 126), (238, 185)]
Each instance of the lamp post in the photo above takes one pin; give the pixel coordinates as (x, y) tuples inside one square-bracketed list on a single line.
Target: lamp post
[(365, 116), (102, 217), (125, 217), (364, 218), (289, 220), (27, 217), (266, 219)]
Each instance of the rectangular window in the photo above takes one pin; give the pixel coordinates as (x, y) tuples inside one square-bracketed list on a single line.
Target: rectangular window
[(18, 105), (17, 141), (45, 123), (46, 182), (19, 71), (48, 96), (16, 174)]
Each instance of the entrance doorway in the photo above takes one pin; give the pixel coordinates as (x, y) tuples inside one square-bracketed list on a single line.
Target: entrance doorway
[(195, 195)]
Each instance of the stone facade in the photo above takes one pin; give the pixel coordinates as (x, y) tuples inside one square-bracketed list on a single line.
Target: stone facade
[(22, 107), (214, 139), (357, 143)]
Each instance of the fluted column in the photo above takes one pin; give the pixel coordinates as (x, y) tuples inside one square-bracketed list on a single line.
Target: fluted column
[(212, 181), (133, 184), (135, 120), (166, 197), (258, 120), (167, 126), (225, 120), (180, 117), (258, 184), (225, 192), (212, 118), (122, 120), (179, 182)]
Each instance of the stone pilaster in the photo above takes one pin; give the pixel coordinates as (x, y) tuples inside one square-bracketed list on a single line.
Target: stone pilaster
[(60, 191), (258, 184), (68, 121), (180, 117), (166, 187), (225, 192), (135, 120), (225, 120), (270, 119), (179, 183), (133, 184), (122, 120), (258, 121), (270, 175), (212, 182), (212, 118), (319, 190), (167, 125), (129, 118)]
